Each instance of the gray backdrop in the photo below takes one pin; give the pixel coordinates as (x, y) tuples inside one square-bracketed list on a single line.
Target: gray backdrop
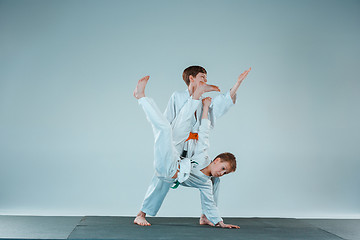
[(73, 140)]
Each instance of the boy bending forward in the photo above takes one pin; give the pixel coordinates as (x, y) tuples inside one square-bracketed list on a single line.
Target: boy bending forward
[(190, 172)]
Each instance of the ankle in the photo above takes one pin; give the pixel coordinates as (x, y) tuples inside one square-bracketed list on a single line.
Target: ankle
[(141, 214)]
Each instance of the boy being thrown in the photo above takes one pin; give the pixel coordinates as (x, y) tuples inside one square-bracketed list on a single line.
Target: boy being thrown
[(197, 171)]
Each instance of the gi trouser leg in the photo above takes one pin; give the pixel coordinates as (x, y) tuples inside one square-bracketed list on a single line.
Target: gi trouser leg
[(155, 195), (158, 188), (165, 154)]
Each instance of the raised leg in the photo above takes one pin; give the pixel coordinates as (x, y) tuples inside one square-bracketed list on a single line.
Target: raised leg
[(139, 91), (165, 155)]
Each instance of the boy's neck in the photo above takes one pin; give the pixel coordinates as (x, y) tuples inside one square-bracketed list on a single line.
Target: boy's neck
[(206, 171), (191, 89)]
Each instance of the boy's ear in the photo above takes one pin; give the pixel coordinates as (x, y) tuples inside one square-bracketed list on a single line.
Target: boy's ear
[(217, 160), (191, 78)]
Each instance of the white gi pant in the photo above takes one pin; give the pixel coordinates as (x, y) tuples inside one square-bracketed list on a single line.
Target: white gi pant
[(166, 156)]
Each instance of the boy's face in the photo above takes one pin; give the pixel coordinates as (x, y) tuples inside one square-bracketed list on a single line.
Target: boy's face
[(219, 168), (200, 77)]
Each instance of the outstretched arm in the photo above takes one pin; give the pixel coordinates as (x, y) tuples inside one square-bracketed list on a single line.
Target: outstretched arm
[(210, 209), (236, 86), (222, 102)]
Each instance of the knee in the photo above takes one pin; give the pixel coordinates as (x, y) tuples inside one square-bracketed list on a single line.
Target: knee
[(163, 173)]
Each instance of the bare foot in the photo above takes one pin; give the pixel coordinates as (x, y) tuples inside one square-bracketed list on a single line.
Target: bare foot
[(139, 91), (141, 220), (203, 88), (204, 221)]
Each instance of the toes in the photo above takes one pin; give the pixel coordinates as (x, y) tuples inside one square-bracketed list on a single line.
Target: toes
[(145, 78)]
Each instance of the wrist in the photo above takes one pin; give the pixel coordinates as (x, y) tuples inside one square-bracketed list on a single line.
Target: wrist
[(205, 114)]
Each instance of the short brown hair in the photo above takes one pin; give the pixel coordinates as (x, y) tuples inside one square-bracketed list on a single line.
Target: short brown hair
[(228, 157), (192, 71)]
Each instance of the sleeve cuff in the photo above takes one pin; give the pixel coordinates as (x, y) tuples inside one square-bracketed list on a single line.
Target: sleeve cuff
[(205, 122), (228, 97)]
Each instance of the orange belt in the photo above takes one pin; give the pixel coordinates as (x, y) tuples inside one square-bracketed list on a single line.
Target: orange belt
[(193, 136)]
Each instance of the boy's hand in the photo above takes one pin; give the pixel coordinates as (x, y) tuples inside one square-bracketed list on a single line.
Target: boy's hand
[(243, 76), (206, 102), (234, 89), (223, 225)]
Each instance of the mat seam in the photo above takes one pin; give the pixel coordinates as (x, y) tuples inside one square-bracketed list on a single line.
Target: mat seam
[(75, 227), (332, 234)]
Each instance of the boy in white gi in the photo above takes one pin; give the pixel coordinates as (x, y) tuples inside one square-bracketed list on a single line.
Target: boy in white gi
[(193, 76), (197, 171)]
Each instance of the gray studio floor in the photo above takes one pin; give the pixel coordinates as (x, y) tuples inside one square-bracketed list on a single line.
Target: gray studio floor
[(92, 227)]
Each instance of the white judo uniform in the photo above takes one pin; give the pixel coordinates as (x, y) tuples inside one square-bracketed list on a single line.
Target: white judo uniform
[(158, 188), (166, 156)]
